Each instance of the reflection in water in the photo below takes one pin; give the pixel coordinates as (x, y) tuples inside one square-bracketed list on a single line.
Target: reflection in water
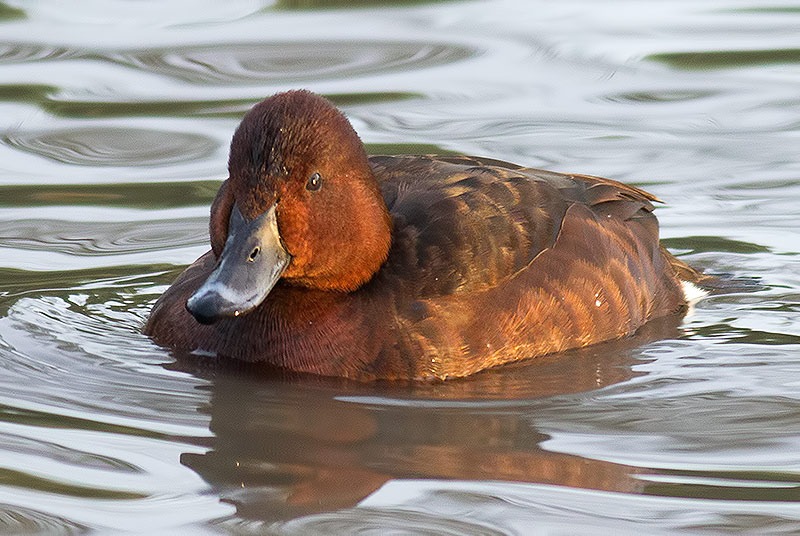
[(63, 105), (294, 444), (151, 196), (728, 59), (327, 4)]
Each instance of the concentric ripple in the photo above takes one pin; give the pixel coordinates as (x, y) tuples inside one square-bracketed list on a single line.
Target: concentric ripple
[(113, 146), (57, 326), (20, 520), (278, 62), (25, 52), (87, 239), (366, 521)]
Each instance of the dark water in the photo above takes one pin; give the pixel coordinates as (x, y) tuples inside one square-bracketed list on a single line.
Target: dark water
[(114, 122)]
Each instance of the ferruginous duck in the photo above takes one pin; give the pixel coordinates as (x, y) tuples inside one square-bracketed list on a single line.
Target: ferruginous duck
[(328, 261)]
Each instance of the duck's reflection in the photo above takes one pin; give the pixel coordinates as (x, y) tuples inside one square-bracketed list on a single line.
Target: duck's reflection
[(287, 446)]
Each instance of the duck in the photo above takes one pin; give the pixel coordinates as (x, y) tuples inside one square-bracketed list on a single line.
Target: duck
[(327, 261)]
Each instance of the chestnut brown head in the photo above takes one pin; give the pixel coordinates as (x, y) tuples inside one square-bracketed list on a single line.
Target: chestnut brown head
[(301, 203)]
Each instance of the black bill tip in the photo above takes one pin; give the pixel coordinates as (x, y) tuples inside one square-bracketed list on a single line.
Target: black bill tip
[(209, 308)]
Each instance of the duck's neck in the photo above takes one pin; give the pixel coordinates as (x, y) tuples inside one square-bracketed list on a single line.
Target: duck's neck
[(356, 249), (371, 239)]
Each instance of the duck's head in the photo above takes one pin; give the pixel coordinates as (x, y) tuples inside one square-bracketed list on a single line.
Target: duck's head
[(300, 204)]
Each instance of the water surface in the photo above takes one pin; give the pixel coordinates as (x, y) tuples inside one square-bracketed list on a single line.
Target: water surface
[(114, 123)]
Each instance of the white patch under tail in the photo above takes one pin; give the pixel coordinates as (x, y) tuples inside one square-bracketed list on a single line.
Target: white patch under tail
[(693, 294)]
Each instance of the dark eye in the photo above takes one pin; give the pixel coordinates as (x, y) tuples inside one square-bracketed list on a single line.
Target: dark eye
[(314, 182), (254, 254)]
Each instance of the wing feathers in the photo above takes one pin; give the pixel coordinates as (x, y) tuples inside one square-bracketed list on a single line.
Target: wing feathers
[(464, 223)]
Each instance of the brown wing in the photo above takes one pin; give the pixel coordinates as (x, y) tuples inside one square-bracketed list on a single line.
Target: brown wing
[(602, 279), (465, 223)]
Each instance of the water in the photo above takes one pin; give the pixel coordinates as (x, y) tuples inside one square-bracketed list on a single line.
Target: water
[(114, 124)]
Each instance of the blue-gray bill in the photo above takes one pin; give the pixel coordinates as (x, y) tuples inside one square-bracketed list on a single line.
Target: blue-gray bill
[(251, 262)]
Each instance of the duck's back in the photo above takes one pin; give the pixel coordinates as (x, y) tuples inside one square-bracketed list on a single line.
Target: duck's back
[(499, 262), (463, 224)]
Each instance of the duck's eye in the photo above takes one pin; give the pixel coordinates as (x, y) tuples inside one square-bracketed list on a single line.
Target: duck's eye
[(314, 182), (254, 254)]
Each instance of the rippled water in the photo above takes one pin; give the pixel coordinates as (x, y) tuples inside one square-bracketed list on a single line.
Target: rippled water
[(114, 124)]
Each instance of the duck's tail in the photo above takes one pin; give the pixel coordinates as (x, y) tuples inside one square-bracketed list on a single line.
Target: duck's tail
[(698, 285), (688, 273)]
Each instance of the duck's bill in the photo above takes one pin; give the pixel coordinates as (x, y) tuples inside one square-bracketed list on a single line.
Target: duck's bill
[(251, 262)]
